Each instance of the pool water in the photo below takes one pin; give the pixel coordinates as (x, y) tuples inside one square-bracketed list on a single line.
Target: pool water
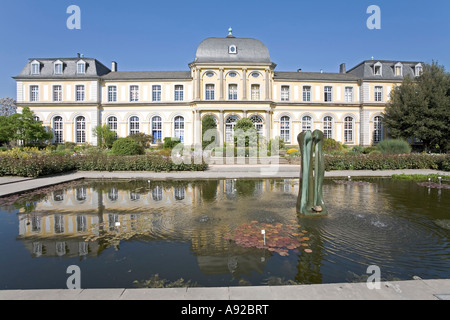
[(139, 233)]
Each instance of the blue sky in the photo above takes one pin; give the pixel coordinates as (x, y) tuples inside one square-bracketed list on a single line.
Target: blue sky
[(163, 35)]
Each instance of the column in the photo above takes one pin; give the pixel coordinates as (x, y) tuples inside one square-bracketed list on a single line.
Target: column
[(267, 85), (221, 84), (197, 128), (268, 124), (197, 90), (220, 126), (244, 84)]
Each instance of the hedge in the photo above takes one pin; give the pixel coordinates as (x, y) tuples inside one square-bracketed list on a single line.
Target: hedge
[(46, 164), (387, 162)]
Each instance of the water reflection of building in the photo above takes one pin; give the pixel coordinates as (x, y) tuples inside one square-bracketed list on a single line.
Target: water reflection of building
[(59, 223)]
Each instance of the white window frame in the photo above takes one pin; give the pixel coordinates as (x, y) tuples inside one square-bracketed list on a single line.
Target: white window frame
[(112, 122), (178, 94), (418, 69), (80, 131), (35, 67), (178, 127), (307, 123), (377, 129), (57, 96), (58, 129), (285, 93), (80, 92), (255, 91), (156, 126), (210, 91), (156, 94), (348, 94), (134, 125), (378, 92), (306, 93), (58, 67), (398, 66), (232, 91), (34, 93), (349, 127), (285, 128), (378, 66), (328, 127), (134, 93), (81, 67), (328, 93), (112, 94)]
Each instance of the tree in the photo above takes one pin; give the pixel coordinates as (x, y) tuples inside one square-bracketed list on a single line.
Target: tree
[(245, 128), (7, 106), (208, 124), (420, 108), (105, 136), (25, 128)]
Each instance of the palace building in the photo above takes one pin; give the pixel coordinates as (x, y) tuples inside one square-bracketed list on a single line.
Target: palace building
[(229, 78)]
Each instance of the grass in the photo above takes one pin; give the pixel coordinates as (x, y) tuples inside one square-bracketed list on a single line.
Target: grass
[(421, 177)]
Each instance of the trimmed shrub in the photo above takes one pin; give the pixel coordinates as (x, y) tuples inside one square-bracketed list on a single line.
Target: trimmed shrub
[(394, 146), (127, 147), (331, 146), (170, 142)]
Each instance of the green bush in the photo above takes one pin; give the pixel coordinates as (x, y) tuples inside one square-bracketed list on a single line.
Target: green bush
[(127, 147), (170, 142), (394, 146), (331, 146)]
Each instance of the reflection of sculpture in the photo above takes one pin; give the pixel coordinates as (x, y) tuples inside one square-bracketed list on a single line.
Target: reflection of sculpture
[(311, 173)]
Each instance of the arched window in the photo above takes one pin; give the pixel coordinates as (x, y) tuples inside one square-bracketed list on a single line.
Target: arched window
[(112, 123), (285, 128), (348, 129), (230, 122), (80, 129), (134, 125), (157, 129), (58, 129), (306, 123), (328, 127), (377, 129), (179, 128), (259, 124)]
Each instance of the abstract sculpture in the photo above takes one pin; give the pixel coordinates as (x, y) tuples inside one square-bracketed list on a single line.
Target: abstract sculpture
[(310, 199)]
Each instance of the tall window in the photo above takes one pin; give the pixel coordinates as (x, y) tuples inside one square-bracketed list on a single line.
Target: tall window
[(306, 123), (157, 129), (232, 92), (112, 123), (58, 68), (58, 129), (398, 70), (377, 129), (134, 93), (348, 129), (80, 129), (230, 123), (179, 93), (179, 128), (79, 93), (284, 93), (306, 93), (34, 93), (348, 94), (57, 93), (378, 93), (328, 94), (328, 127), (156, 93), (134, 125), (255, 92), (285, 130), (258, 123), (418, 70), (112, 94), (209, 92), (81, 67), (35, 68)]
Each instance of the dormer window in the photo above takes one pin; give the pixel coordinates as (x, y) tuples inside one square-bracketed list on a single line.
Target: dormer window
[(35, 67), (377, 69), (81, 67), (58, 67), (418, 69), (232, 49), (398, 69)]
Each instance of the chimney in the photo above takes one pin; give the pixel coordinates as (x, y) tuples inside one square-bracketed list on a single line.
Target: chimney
[(299, 70), (342, 68), (114, 66)]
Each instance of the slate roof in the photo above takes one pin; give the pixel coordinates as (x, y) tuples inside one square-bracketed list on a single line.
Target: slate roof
[(216, 50), (314, 76), (94, 69), (365, 70), (148, 75)]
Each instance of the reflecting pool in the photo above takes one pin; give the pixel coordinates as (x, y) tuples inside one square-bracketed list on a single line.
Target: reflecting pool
[(141, 233)]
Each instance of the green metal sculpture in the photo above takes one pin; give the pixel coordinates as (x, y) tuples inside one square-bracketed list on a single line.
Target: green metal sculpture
[(310, 198)]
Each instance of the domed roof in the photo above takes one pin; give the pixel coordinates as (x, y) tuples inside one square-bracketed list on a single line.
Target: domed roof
[(232, 50)]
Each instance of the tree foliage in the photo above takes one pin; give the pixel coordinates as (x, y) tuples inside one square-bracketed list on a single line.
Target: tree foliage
[(420, 108), (105, 136), (209, 137)]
